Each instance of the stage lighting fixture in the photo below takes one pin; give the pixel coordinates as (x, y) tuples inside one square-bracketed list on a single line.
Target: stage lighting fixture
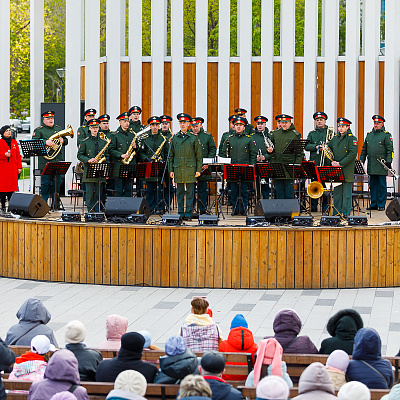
[(95, 217), (327, 220), (256, 220), (208, 219), (303, 220), (137, 218), (171, 219), (357, 220), (71, 216)]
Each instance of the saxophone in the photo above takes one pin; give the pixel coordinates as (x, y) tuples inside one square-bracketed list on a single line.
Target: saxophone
[(131, 152), (100, 158), (268, 142), (156, 155)]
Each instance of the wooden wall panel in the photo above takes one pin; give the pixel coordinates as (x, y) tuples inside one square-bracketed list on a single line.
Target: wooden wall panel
[(124, 92), (103, 88), (320, 86), (234, 88), (256, 93), (277, 96), (167, 89), (189, 89), (146, 92), (361, 89), (298, 96), (341, 99), (212, 101), (82, 83), (382, 88)]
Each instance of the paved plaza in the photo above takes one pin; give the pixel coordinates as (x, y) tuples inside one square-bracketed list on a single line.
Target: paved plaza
[(162, 311)]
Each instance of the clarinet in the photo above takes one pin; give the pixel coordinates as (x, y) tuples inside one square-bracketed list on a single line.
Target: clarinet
[(227, 148)]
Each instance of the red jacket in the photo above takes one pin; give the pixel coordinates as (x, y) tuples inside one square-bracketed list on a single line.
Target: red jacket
[(240, 340), (9, 166)]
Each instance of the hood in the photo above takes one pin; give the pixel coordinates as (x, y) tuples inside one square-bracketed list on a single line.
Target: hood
[(180, 365), (63, 366), (239, 320), (315, 377), (394, 393), (287, 320), (241, 338), (199, 319), (118, 394), (33, 310), (367, 345), (116, 326), (345, 324), (63, 396)]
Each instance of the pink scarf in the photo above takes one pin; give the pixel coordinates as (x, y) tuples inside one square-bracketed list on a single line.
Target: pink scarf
[(269, 353)]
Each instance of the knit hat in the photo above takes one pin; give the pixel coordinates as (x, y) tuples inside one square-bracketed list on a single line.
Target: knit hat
[(63, 396), (40, 344), (3, 129), (213, 362), (131, 381), (354, 390), (147, 338), (175, 345), (239, 320), (272, 387), (75, 332), (394, 393), (269, 353), (132, 341), (338, 359)]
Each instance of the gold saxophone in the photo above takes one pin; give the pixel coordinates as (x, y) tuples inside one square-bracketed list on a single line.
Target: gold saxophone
[(156, 155), (100, 158), (131, 152), (52, 151)]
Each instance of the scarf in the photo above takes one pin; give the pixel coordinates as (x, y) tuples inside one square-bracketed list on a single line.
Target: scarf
[(269, 353)]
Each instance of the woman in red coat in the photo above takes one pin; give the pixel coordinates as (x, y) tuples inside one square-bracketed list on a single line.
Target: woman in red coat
[(10, 165)]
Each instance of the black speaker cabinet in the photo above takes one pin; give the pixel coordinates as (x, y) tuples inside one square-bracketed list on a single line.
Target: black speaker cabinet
[(393, 210), (273, 209), (30, 205), (124, 206)]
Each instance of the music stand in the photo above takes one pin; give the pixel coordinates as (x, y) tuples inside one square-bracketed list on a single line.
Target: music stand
[(239, 173), (141, 170), (331, 174), (358, 168), (155, 169), (54, 169), (311, 169), (33, 148), (128, 171), (271, 171), (95, 170), (360, 171), (216, 168)]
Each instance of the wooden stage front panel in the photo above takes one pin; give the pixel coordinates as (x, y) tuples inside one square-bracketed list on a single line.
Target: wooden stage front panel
[(219, 257)]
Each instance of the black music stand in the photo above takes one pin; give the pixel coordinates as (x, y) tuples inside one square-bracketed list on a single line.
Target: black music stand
[(331, 174), (358, 168), (217, 168), (299, 173), (311, 168), (95, 170), (294, 147), (54, 169), (359, 172), (239, 173), (156, 171), (271, 171), (33, 148), (141, 170), (128, 171)]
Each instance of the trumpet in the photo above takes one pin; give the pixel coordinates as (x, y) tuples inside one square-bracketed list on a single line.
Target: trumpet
[(382, 161)]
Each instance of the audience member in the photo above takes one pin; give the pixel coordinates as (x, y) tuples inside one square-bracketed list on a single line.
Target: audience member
[(116, 326), (61, 375), (269, 362), (88, 359), (147, 341), (394, 393), (7, 357), (240, 340), (33, 317), (315, 384), (336, 365), (63, 396), (178, 362), (194, 387), (287, 326), (129, 357), (199, 330), (129, 385), (212, 366), (32, 364), (367, 365), (342, 326), (354, 391), (272, 388)]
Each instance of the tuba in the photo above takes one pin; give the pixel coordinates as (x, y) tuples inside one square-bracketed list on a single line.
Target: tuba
[(315, 189), (326, 151), (53, 151), (131, 151)]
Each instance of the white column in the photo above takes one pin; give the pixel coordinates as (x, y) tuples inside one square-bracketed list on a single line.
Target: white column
[(72, 79), (352, 57), (267, 58), (5, 65), (245, 51), (92, 54), (310, 64), (177, 60), (37, 60), (223, 67), (331, 45), (287, 54), (114, 44), (201, 58), (135, 51)]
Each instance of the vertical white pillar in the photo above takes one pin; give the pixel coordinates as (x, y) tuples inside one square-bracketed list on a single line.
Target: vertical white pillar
[(245, 51), (224, 44), (37, 60), (5, 65), (267, 58), (114, 44), (331, 46), (201, 58), (310, 64), (92, 54), (135, 51), (177, 60), (287, 54), (72, 79)]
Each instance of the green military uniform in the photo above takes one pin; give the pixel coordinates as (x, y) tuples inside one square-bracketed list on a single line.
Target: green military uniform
[(280, 139), (259, 140), (107, 132), (249, 129), (184, 161), (136, 126), (89, 148), (344, 149), (377, 144), (83, 132), (222, 141)]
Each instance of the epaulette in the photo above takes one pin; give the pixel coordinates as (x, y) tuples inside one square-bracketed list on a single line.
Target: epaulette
[(248, 136), (57, 126), (231, 135), (114, 133), (208, 133), (86, 138), (102, 139)]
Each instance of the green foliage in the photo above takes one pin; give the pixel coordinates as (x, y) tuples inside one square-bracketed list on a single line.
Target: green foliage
[(342, 27), (299, 29)]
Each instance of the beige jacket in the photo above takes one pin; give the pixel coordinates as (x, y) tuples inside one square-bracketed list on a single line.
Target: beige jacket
[(337, 376)]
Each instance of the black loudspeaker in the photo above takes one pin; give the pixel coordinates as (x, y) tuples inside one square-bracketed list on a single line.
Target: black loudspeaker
[(30, 205), (273, 209), (124, 206), (393, 210)]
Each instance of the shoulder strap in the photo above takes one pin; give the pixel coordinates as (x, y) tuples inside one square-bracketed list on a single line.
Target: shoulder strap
[(72, 388), (369, 365), (16, 340), (290, 343)]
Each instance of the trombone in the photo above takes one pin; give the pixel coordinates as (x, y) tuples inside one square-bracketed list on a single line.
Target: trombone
[(382, 161)]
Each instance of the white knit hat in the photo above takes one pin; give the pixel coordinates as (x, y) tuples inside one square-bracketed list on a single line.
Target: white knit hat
[(354, 390), (131, 381), (75, 332), (338, 359), (272, 387)]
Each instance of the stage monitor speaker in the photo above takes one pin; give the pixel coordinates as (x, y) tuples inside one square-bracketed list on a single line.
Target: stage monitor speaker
[(27, 204), (275, 209), (124, 206), (393, 210)]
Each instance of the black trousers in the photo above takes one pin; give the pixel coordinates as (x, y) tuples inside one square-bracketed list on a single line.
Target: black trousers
[(3, 196)]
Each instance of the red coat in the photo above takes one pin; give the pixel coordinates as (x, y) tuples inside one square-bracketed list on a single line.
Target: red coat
[(9, 166)]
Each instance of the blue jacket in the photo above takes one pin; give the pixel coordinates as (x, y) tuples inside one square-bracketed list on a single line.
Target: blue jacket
[(222, 390), (367, 347)]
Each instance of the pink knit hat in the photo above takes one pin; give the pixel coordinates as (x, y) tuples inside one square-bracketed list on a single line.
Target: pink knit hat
[(269, 353)]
